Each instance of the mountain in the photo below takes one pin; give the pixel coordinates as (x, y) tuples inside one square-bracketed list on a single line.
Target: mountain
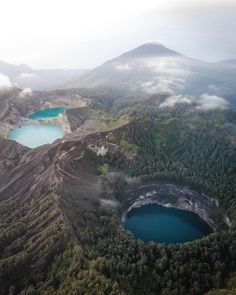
[(152, 68), (24, 76), (63, 205), (147, 49), (230, 62)]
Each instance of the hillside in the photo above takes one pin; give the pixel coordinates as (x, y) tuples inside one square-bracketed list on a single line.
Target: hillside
[(61, 208), (62, 204), (152, 68)]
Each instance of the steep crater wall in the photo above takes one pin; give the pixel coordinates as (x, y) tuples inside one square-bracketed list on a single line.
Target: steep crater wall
[(183, 198)]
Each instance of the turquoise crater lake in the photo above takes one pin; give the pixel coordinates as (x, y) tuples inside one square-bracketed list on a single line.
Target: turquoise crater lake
[(33, 136), (165, 225), (47, 114)]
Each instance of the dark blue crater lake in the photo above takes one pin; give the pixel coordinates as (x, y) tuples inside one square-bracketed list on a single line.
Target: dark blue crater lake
[(47, 114), (165, 225)]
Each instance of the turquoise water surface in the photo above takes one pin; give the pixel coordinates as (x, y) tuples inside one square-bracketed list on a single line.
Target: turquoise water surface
[(46, 114), (165, 225), (33, 136)]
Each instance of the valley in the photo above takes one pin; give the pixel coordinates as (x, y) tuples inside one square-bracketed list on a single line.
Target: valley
[(119, 154)]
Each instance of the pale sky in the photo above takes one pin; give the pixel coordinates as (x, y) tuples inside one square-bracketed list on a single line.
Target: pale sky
[(85, 33)]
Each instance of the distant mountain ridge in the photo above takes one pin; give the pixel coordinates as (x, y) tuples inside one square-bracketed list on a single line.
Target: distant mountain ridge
[(148, 49), (231, 62), (152, 68), (149, 68), (23, 76)]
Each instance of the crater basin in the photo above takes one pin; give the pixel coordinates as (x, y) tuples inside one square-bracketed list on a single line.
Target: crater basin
[(33, 136), (47, 114), (161, 224)]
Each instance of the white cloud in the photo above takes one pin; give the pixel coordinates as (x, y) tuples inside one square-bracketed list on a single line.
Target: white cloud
[(121, 25), (123, 67), (26, 92), (5, 81), (176, 66), (175, 99), (208, 102), (169, 74), (164, 84), (205, 102), (27, 76), (213, 88), (109, 203)]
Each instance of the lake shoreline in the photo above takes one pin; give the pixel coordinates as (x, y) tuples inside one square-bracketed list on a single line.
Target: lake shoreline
[(49, 124), (172, 196)]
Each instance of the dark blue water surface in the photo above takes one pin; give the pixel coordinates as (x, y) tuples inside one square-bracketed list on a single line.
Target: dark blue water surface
[(165, 225), (46, 114)]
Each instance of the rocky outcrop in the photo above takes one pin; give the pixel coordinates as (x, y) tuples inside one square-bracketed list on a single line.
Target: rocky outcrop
[(77, 117)]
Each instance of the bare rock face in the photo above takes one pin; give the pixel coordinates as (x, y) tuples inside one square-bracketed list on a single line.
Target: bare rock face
[(11, 155), (64, 123), (4, 109), (77, 117)]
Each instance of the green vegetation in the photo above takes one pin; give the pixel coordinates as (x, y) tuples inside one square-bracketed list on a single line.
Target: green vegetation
[(123, 140), (68, 243), (104, 168), (129, 146), (111, 262), (230, 288), (111, 137), (202, 156)]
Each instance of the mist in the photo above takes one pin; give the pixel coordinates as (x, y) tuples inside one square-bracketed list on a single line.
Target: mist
[(84, 34)]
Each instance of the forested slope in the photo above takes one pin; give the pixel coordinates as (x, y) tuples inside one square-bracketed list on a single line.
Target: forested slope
[(58, 238)]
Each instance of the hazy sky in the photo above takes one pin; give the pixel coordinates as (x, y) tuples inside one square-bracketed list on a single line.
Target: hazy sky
[(85, 33)]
